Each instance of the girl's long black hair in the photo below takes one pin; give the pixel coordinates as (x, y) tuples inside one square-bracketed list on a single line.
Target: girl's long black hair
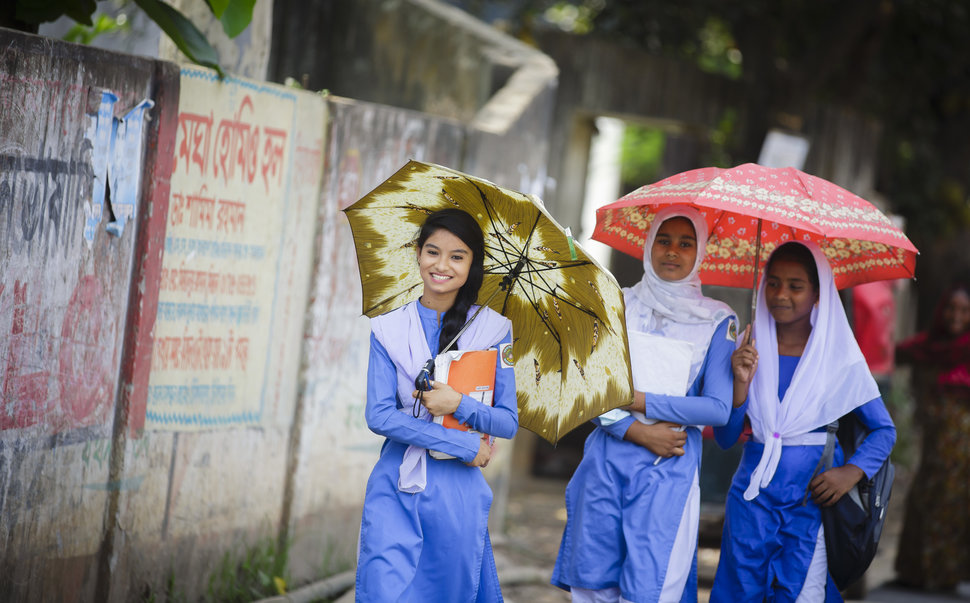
[(463, 226)]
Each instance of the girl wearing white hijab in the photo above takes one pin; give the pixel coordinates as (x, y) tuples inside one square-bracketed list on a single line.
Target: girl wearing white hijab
[(799, 370), (633, 503)]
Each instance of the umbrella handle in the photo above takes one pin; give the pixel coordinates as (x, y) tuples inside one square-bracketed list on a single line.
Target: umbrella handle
[(757, 261)]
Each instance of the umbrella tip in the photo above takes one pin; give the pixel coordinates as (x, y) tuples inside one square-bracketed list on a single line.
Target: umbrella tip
[(572, 245)]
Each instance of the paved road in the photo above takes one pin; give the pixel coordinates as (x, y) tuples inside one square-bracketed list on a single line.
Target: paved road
[(536, 516)]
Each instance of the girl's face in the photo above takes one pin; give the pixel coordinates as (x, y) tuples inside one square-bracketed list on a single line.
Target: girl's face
[(444, 261), (789, 293), (674, 251), (956, 313)]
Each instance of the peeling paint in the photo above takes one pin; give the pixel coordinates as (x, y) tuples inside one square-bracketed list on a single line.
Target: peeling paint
[(116, 159)]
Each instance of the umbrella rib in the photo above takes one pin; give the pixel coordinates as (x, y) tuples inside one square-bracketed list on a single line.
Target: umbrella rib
[(517, 253), (551, 290), (390, 297), (511, 251), (493, 220), (545, 321)]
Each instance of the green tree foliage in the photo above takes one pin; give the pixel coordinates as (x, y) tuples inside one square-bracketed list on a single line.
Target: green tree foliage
[(234, 15), (641, 155), (83, 34)]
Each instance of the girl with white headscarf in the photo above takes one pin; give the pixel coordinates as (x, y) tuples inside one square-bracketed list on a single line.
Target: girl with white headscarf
[(633, 503), (802, 371)]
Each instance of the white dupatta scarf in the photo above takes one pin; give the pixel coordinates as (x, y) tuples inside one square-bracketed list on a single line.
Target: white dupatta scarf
[(832, 377)]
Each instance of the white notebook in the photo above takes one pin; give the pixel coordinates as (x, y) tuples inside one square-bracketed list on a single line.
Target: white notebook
[(660, 365)]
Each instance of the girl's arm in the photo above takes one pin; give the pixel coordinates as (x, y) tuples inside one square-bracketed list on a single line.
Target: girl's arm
[(502, 420), (384, 418), (879, 443), (713, 405), (726, 435), (744, 363), (829, 486)]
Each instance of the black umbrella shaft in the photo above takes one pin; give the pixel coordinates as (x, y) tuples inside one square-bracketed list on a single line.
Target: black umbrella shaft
[(509, 279)]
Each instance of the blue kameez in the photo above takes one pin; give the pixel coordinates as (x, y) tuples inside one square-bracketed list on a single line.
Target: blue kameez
[(768, 542), (623, 510)]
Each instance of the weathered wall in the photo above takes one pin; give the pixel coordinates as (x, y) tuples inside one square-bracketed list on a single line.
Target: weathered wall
[(75, 134), (232, 297), (134, 449)]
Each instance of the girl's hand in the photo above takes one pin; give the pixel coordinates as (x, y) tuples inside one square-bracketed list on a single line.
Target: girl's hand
[(829, 486), (659, 438), (442, 399), (744, 363), (484, 454)]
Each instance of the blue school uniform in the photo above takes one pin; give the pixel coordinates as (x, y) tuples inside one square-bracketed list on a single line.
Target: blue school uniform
[(768, 542), (432, 544), (623, 510)]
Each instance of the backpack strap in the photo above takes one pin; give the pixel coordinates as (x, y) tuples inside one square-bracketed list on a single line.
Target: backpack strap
[(828, 456)]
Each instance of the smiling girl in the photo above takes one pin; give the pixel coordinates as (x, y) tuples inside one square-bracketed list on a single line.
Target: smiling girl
[(424, 534), (633, 504), (797, 370)]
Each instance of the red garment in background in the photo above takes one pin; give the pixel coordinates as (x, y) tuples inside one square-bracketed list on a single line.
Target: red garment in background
[(874, 314), (950, 356)]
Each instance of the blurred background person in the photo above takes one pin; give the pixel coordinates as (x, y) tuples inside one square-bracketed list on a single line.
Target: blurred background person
[(934, 548)]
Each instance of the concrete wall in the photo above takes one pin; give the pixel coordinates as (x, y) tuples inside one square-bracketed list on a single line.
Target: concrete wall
[(232, 296), (414, 54), (79, 148)]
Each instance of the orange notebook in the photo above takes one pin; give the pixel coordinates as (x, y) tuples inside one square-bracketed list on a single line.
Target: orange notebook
[(470, 372)]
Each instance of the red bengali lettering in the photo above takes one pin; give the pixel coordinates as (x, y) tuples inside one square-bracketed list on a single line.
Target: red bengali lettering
[(273, 148), (195, 133), (201, 209), (237, 146), (201, 353), (231, 217)]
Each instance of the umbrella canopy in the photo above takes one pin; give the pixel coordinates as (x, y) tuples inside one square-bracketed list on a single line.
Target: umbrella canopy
[(570, 345), (751, 207)]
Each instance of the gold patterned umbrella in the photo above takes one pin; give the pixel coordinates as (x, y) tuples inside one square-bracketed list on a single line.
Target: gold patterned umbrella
[(570, 345)]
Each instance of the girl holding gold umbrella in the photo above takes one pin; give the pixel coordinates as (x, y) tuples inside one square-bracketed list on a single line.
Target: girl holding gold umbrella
[(633, 503), (424, 531)]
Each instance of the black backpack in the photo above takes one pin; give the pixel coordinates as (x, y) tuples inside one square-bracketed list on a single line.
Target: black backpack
[(854, 524)]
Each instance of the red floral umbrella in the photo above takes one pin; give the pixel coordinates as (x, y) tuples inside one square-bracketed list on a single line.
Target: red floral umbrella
[(751, 207)]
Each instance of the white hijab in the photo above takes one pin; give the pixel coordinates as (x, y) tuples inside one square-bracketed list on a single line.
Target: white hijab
[(676, 309), (831, 379)]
